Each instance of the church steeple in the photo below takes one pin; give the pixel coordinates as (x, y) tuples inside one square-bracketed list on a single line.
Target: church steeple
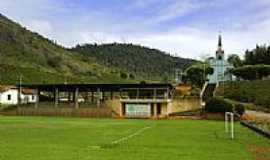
[(220, 51), (219, 41)]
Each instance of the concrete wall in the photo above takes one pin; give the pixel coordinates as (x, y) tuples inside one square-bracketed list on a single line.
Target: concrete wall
[(115, 105), (177, 105), (184, 104), (164, 109)]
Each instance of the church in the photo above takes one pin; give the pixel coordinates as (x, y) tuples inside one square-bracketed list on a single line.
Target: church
[(220, 66)]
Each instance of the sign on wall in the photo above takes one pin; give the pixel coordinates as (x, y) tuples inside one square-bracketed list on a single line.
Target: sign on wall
[(138, 110)]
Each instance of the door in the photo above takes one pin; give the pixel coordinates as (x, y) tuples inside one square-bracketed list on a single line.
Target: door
[(159, 109)]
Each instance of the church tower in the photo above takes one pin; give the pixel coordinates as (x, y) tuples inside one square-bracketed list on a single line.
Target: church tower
[(220, 65), (220, 51)]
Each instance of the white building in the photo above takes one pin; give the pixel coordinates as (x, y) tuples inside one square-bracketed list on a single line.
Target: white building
[(28, 96), (9, 95)]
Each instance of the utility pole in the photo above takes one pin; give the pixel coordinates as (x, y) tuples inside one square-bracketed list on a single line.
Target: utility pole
[(204, 71), (20, 89)]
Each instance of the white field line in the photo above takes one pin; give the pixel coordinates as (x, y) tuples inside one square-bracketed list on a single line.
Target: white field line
[(131, 135)]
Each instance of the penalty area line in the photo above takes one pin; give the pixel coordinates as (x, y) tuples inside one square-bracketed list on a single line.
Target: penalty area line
[(131, 135)]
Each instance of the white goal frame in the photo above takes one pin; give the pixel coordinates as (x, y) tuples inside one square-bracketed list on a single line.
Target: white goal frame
[(229, 116)]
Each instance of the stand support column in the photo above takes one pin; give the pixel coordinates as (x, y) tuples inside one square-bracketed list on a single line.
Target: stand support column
[(98, 97), (37, 98), (76, 94), (56, 97)]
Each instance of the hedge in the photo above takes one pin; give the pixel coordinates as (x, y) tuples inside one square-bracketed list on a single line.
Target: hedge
[(218, 105), (252, 72), (239, 109), (256, 92)]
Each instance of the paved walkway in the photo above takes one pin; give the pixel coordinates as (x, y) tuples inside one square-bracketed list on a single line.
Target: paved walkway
[(258, 114)]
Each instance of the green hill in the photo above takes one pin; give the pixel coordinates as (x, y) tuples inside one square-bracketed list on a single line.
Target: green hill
[(135, 59), (40, 60)]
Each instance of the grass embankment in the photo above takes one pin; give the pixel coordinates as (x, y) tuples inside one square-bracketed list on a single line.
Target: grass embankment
[(39, 75), (27, 138), (256, 92)]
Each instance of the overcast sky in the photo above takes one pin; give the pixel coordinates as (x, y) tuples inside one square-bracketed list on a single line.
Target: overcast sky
[(188, 28)]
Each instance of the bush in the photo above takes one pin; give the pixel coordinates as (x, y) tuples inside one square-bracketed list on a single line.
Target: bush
[(123, 75), (131, 76), (7, 107), (142, 82), (263, 101), (195, 92), (54, 61), (239, 109), (218, 105)]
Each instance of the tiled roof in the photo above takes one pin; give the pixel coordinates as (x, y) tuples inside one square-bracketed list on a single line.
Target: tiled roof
[(4, 88), (28, 91)]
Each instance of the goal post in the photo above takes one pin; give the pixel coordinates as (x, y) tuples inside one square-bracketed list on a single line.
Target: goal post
[(229, 118)]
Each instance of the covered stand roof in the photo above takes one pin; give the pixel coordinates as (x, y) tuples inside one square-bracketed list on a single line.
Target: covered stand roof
[(95, 87)]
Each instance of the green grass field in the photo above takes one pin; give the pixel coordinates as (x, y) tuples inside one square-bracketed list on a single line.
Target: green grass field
[(45, 138)]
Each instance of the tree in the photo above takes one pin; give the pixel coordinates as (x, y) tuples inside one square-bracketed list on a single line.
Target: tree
[(195, 76), (259, 55), (197, 73), (235, 60)]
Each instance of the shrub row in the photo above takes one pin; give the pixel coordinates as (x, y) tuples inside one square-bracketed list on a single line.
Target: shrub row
[(252, 72), (256, 92), (219, 105)]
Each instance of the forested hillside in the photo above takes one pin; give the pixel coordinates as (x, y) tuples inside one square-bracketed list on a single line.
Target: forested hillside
[(135, 59), (40, 60)]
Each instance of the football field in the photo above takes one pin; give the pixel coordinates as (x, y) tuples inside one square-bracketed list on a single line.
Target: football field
[(47, 138)]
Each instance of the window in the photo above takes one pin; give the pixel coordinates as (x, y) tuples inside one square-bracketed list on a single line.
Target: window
[(33, 97), (8, 97)]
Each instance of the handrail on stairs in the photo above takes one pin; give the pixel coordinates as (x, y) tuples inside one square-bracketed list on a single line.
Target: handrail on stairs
[(203, 89), (215, 90)]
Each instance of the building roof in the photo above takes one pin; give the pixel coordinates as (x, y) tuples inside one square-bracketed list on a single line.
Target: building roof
[(28, 91), (95, 87), (4, 88)]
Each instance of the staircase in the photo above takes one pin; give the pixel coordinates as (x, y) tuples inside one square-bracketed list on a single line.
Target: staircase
[(208, 91)]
